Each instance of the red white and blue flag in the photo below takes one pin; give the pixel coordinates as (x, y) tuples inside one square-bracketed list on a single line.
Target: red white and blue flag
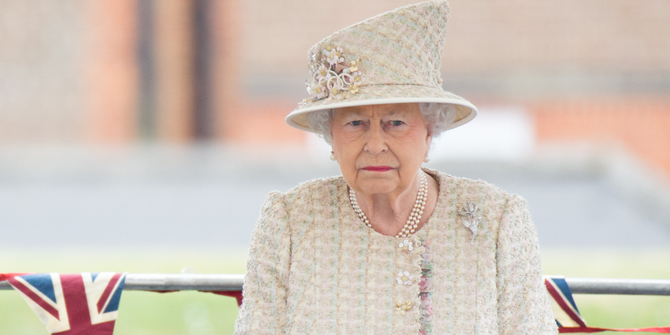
[(567, 315), (564, 307), (73, 304)]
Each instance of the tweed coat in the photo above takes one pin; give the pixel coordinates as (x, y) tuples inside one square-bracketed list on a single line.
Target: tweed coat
[(315, 268)]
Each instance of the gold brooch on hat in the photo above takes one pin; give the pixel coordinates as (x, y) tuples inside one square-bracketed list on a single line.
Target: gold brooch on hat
[(332, 76)]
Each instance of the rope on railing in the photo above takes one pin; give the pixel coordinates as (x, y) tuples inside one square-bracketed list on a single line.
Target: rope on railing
[(233, 282)]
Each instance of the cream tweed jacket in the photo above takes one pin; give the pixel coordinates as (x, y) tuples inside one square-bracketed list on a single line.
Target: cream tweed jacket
[(315, 268)]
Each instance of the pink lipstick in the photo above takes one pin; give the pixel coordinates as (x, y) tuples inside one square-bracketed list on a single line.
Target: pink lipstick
[(377, 168)]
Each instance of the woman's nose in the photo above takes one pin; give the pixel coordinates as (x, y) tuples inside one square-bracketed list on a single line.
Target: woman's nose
[(376, 140)]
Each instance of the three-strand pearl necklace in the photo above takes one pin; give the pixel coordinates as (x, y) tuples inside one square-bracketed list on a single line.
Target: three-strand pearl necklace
[(414, 217)]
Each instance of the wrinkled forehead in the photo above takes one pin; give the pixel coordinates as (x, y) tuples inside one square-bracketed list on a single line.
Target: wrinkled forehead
[(389, 110)]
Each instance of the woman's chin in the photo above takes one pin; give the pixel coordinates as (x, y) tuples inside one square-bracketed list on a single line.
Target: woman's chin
[(377, 186)]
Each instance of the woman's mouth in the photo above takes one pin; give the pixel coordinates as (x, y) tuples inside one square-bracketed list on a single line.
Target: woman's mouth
[(377, 168)]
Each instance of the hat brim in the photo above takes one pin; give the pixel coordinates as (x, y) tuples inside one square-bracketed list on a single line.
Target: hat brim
[(385, 94)]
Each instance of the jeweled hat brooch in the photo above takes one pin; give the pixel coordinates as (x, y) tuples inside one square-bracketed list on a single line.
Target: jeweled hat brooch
[(393, 57)]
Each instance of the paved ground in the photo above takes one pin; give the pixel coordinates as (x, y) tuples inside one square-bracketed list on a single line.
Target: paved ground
[(210, 197)]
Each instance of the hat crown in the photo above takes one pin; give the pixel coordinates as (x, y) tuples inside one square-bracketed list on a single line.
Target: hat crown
[(400, 47), (390, 58)]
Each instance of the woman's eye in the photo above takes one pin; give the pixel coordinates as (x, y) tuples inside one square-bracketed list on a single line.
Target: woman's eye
[(397, 123), (356, 123)]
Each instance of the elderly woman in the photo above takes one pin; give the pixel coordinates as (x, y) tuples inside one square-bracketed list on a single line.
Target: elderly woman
[(390, 247)]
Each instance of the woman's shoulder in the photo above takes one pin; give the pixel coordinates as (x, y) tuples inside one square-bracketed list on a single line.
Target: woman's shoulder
[(311, 189), (287, 209), (477, 197), (462, 185), (465, 190), (317, 183)]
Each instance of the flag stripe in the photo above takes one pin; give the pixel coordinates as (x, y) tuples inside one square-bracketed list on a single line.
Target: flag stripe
[(562, 285), (561, 288), (34, 297), (663, 330), (76, 304), (115, 299), (108, 290), (42, 283), (563, 291), (561, 302)]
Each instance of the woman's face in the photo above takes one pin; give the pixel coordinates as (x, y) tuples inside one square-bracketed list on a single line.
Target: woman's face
[(379, 147)]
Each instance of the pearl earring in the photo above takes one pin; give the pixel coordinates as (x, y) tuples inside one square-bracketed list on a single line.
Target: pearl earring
[(426, 159), (332, 155)]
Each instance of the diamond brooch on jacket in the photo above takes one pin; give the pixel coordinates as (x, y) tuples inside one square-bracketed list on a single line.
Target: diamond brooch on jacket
[(470, 217)]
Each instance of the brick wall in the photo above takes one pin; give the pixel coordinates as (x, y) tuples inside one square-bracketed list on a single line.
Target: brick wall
[(110, 72), (597, 35), (639, 124), (41, 46), (69, 70), (517, 47)]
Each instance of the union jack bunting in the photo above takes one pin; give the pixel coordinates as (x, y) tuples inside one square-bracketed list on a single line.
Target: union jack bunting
[(73, 304), (564, 307), (567, 315)]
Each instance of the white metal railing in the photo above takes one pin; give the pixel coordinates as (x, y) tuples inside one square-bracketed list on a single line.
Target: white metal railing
[(176, 282), (233, 282), (619, 286)]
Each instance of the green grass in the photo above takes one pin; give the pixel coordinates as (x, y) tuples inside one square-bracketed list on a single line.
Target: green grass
[(186, 313)]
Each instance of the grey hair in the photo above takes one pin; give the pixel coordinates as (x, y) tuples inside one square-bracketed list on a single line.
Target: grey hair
[(438, 117)]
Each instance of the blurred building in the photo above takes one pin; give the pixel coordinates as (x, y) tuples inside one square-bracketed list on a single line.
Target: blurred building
[(124, 71), (574, 99)]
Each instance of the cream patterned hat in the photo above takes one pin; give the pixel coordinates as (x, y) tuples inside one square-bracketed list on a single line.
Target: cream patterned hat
[(393, 57)]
